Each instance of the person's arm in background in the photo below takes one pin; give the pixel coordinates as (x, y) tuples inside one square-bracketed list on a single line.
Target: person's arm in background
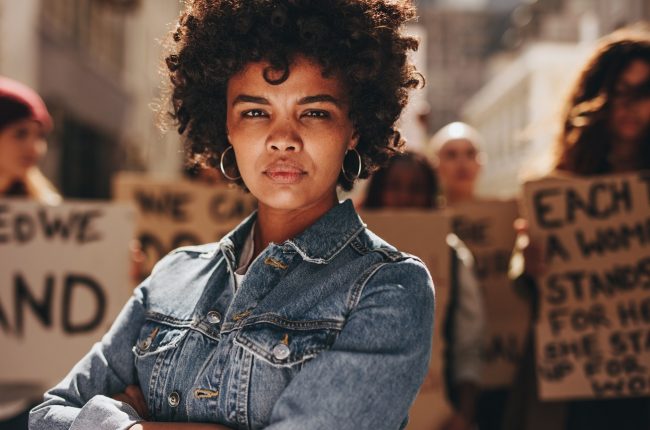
[(468, 337)]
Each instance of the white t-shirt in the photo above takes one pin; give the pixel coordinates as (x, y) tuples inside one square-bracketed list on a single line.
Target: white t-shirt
[(245, 258)]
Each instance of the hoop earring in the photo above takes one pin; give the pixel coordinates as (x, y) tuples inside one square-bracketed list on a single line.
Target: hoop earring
[(223, 170), (345, 174)]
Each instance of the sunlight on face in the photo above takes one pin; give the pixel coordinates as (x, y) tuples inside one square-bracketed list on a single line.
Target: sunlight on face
[(458, 166), (289, 139)]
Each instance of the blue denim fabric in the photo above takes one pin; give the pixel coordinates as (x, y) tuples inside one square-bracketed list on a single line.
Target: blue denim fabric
[(329, 330)]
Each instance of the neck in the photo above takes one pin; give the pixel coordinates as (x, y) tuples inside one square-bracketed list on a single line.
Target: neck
[(624, 155), (456, 196), (5, 183), (279, 225)]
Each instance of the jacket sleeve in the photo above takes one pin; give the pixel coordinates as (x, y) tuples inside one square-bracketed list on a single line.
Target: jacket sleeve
[(81, 400), (370, 376)]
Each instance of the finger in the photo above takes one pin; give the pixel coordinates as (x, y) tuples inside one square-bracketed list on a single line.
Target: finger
[(520, 225)]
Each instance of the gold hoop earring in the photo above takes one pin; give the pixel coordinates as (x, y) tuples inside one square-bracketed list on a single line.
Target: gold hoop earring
[(223, 170), (345, 174)]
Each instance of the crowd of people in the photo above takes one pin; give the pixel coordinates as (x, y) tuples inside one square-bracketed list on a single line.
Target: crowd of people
[(298, 318)]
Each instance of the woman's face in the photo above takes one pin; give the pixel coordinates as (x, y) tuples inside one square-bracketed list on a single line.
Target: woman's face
[(630, 117), (289, 139), (458, 166), (22, 144), (405, 187)]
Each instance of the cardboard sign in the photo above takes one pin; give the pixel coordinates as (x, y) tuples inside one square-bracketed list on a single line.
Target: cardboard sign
[(424, 233), (180, 213), (63, 280), (593, 332), (486, 227)]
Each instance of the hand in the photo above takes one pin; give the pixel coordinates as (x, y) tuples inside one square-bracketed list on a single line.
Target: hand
[(533, 255), (132, 395), (457, 422)]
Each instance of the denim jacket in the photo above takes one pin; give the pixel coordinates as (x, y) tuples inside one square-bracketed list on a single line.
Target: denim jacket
[(331, 329)]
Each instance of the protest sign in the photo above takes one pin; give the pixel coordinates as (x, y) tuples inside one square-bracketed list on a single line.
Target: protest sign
[(424, 234), (593, 331), (486, 228), (63, 278), (179, 213)]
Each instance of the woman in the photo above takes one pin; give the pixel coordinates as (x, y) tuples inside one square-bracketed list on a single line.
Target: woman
[(409, 181), (300, 317), (457, 157), (24, 122), (606, 129)]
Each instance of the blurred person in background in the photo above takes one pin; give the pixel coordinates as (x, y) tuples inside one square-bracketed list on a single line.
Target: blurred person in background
[(605, 130), (410, 182), (457, 157), (24, 123)]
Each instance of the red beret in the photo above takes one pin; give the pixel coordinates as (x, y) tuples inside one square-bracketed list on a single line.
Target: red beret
[(18, 101)]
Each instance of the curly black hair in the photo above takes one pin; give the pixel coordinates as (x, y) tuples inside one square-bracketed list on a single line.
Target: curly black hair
[(359, 40), (585, 141)]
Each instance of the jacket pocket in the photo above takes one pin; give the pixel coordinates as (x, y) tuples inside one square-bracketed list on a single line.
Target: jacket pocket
[(156, 337), (282, 347)]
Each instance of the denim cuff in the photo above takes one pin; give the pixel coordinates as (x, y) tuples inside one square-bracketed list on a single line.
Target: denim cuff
[(104, 413)]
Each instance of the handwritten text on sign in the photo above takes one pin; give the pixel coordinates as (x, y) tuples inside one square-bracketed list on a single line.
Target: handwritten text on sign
[(180, 213), (63, 279), (593, 333), (486, 227)]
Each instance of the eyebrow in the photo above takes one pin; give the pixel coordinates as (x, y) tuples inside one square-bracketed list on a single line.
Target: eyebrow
[(319, 98)]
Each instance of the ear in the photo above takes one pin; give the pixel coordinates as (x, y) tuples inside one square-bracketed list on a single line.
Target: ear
[(354, 140)]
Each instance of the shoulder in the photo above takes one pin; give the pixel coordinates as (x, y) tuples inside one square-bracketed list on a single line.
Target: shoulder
[(401, 273)]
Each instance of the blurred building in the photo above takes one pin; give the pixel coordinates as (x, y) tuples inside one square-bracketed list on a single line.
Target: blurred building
[(518, 109), (461, 36), (95, 62)]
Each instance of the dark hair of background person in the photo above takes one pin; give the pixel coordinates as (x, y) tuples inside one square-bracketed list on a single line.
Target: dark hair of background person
[(585, 140), (377, 183), (358, 40)]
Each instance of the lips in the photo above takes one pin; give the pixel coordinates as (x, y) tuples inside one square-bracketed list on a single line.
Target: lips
[(285, 172)]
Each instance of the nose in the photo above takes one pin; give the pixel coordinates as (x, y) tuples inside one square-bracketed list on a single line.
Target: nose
[(284, 137)]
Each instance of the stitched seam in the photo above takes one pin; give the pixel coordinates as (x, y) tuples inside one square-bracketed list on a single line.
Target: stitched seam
[(244, 386), (268, 358), (171, 321), (361, 282), (284, 323), (340, 246)]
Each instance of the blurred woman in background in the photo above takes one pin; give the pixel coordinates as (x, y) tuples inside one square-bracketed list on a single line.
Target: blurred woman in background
[(24, 123), (410, 182), (457, 157), (605, 130)]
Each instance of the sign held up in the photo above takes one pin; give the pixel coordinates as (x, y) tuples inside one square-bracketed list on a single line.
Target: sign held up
[(63, 279), (170, 214), (486, 228), (593, 332)]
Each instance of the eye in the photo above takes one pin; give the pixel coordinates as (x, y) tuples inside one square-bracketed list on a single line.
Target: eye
[(22, 133), (254, 113), (317, 114)]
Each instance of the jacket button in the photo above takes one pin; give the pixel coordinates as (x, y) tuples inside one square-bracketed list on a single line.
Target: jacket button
[(173, 399), (214, 317), (281, 351)]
